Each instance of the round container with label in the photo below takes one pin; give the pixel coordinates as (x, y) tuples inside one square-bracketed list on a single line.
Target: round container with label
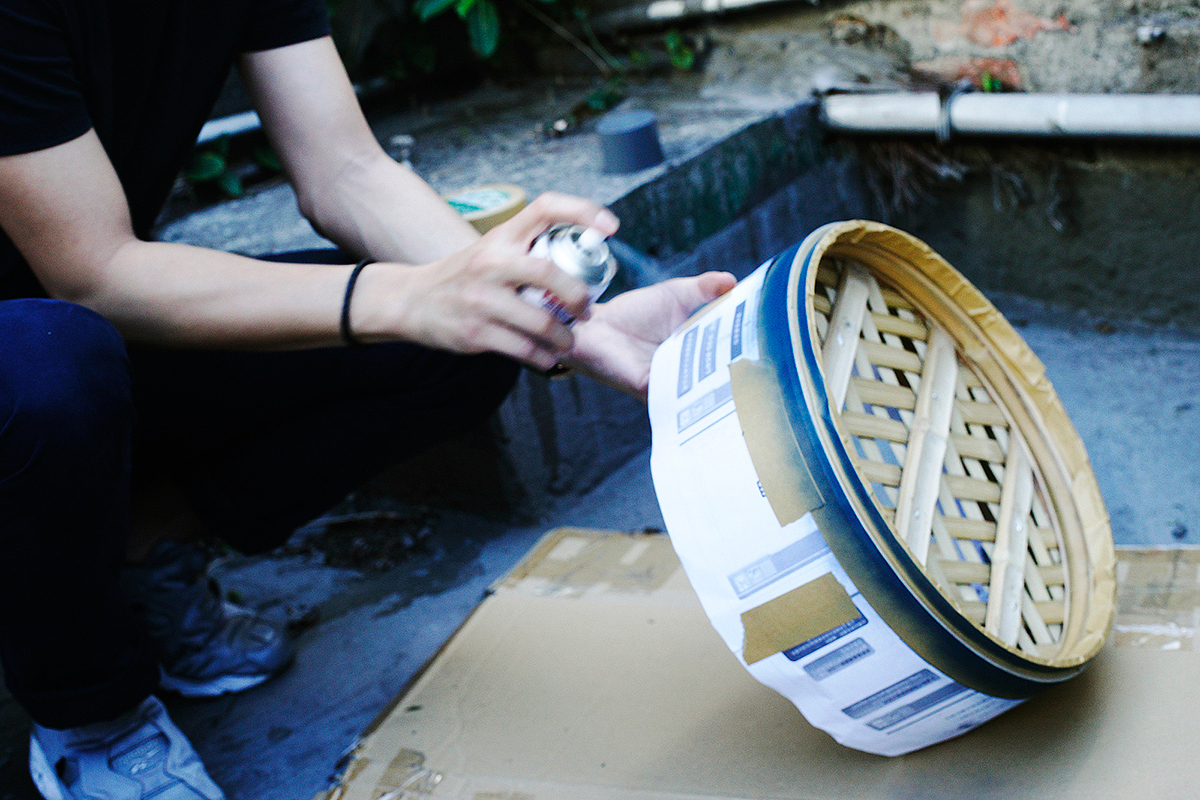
[(488, 205), (878, 497)]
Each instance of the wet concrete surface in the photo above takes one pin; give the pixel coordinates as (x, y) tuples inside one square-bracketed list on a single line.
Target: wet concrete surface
[(367, 634), (365, 630)]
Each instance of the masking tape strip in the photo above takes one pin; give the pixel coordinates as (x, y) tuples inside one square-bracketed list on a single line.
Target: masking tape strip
[(782, 473), (794, 618)]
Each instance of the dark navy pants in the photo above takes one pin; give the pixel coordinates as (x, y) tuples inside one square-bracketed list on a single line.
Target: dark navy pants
[(260, 443)]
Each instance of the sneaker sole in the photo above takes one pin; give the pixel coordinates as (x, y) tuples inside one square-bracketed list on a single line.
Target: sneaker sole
[(43, 774), (226, 684)]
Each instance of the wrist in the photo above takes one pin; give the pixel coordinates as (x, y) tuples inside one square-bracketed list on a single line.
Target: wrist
[(370, 314), (345, 326)]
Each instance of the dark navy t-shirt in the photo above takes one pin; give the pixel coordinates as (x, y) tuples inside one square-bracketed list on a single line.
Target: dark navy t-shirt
[(144, 73)]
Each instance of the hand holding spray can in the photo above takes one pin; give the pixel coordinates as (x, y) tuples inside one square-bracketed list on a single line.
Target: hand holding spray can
[(578, 251)]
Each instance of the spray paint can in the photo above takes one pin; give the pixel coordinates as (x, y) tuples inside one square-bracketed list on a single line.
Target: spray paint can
[(578, 251)]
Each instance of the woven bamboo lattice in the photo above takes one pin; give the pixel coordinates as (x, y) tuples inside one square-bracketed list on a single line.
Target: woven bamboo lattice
[(946, 467)]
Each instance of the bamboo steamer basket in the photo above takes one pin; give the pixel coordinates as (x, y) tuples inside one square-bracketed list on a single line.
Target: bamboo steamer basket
[(935, 458), (965, 496)]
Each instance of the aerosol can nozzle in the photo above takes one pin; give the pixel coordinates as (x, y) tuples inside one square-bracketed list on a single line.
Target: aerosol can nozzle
[(589, 239)]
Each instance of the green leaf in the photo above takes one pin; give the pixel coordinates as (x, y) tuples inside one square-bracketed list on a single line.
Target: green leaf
[(397, 71), (265, 157), (220, 146), (427, 9), (682, 56), (420, 53), (206, 166), (463, 7), (605, 97), (230, 184), (483, 26)]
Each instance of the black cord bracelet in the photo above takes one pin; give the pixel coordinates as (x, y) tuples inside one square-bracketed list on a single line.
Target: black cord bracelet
[(347, 333)]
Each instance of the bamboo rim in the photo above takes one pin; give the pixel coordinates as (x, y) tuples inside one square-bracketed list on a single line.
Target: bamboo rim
[(979, 485)]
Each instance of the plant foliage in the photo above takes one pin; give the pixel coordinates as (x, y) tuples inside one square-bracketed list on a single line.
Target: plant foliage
[(214, 166), (401, 37)]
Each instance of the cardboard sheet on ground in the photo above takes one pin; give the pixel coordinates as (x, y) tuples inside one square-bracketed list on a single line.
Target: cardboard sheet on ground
[(593, 672)]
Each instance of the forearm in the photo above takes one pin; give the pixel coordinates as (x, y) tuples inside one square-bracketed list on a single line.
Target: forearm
[(378, 208), (178, 295), (347, 186), (182, 296)]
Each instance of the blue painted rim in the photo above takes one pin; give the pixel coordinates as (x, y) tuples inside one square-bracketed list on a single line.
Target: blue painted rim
[(879, 565)]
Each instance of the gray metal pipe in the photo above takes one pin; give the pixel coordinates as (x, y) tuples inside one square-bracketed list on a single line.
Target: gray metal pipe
[(661, 12), (233, 125), (1015, 114)]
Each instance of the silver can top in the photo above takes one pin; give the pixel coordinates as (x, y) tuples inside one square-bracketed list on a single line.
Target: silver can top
[(581, 252)]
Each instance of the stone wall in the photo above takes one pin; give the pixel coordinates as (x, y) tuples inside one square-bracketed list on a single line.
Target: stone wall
[(1030, 45)]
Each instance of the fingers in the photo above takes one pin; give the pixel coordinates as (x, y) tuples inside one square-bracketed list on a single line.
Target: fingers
[(519, 233), (519, 330), (538, 324), (704, 288), (542, 274), (552, 207), (493, 316), (469, 304), (517, 345), (470, 301), (712, 285)]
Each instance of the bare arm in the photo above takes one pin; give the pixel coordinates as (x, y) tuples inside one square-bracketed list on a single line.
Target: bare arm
[(355, 195), (347, 186), (65, 210)]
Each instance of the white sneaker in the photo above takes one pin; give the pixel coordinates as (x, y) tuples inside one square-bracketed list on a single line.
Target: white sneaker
[(138, 756), (205, 647)]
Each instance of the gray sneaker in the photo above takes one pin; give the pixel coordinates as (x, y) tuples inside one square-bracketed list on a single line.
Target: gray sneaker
[(206, 647), (138, 756)]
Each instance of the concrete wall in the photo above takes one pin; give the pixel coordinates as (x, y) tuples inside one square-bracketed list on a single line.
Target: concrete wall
[(1106, 229), (1052, 45), (1031, 45), (1111, 231)]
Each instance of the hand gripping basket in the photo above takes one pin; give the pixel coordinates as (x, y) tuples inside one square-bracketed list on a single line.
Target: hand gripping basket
[(904, 418)]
